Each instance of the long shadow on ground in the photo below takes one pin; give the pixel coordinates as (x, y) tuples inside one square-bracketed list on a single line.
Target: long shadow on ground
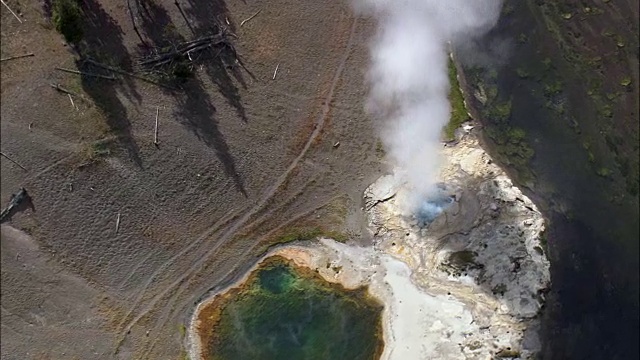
[(209, 16), (195, 107), (103, 41)]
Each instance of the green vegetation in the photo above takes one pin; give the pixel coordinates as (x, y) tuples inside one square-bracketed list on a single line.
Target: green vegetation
[(523, 38), (456, 99), (510, 141), (500, 111), (604, 172), (97, 150), (67, 19), (613, 96), (507, 9), (625, 82), (380, 152), (553, 88), (304, 234), (296, 234), (522, 73)]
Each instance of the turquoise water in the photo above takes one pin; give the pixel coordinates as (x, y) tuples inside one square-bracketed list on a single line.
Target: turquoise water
[(285, 314)]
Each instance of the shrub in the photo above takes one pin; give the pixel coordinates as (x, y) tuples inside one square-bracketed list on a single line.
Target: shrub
[(67, 18)]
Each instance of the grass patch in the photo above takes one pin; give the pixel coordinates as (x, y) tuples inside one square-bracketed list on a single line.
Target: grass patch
[(522, 73), (511, 144), (500, 111), (553, 88), (458, 111), (302, 234), (625, 82), (298, 234), (95, 151), (67, 18), (380, 151), (603, 172), (98, 150)]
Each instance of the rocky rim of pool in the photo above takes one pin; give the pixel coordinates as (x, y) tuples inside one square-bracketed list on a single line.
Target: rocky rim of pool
[(285, 311), (469, 284)]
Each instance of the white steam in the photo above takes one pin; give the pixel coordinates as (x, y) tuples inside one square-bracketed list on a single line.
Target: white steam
[(409, 77)]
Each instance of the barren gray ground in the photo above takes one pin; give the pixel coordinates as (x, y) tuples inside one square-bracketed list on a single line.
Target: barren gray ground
[(192, 210)]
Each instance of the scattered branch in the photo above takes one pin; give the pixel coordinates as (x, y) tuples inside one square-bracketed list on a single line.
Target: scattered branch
[(133, 21), (61, 89), (13, 161), (17, 57), (107, 67), (276, 72), (250, 17), (183, 50), (184, 17), (117, 222), (72, 104), (87, 74), (155, 133), (14, 14)]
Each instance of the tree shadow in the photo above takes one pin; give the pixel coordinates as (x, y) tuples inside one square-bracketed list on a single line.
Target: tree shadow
[(218, 69), (47, 9), (197, 113), (195, 108), (103, 42), (222, 64)]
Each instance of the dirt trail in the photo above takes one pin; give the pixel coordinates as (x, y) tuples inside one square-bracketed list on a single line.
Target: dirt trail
[(186, 228), (270, 192)]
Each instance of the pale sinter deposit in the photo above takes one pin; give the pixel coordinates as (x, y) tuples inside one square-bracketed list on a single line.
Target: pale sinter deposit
[(468, 285)]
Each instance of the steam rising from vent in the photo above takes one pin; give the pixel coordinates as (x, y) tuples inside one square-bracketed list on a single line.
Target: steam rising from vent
[(409, 77)]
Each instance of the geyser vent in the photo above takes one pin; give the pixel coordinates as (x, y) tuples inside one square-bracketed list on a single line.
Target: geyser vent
[(432, 206)]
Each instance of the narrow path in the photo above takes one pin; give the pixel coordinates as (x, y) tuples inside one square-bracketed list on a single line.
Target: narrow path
[(227, 235)]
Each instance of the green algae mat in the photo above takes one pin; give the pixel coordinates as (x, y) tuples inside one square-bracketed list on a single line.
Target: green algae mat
[(286, 312)]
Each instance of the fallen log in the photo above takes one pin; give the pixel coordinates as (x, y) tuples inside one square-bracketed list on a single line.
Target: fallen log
[(87, 74), (17, 57)]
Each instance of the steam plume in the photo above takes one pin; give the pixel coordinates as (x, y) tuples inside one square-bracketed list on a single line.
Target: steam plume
[(409, 78)]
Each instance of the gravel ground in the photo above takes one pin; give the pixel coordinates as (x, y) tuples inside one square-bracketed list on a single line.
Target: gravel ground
[(239, 161)]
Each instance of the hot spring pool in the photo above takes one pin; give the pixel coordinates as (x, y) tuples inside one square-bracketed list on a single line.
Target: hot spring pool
[(286, 312)]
